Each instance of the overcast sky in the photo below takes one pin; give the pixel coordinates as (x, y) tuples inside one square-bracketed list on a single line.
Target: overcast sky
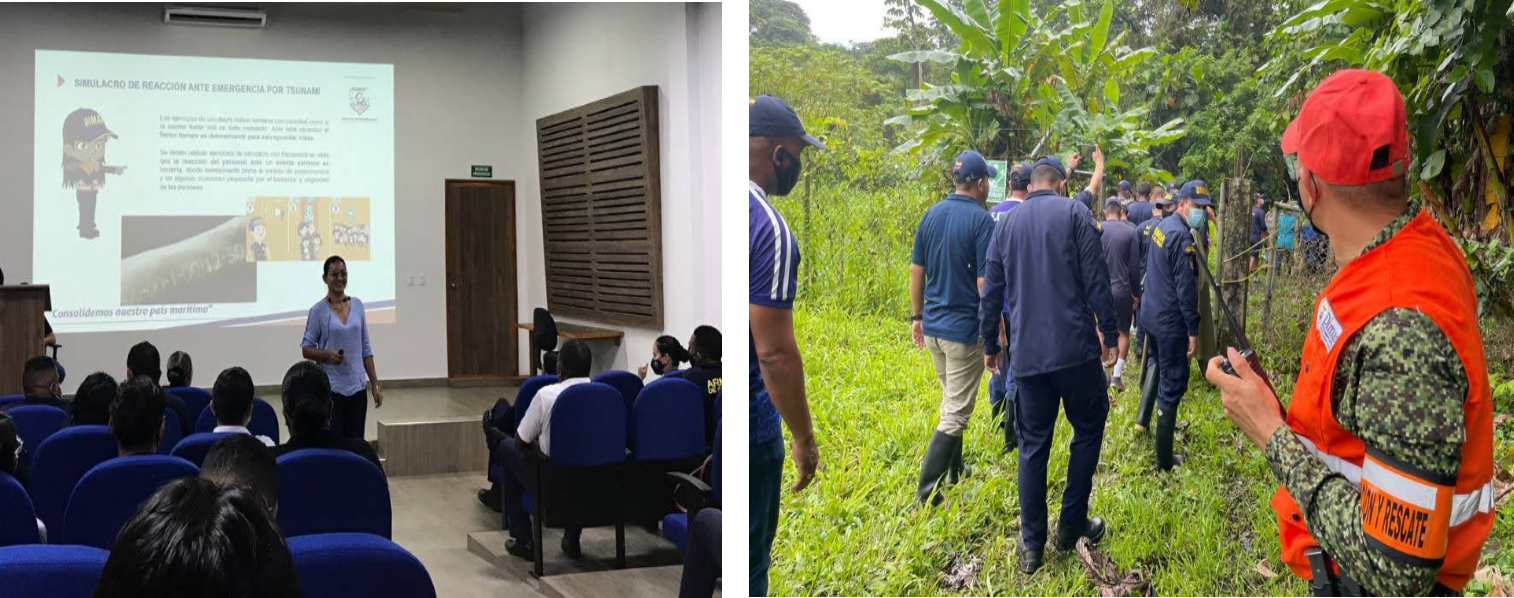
[(845, 21)]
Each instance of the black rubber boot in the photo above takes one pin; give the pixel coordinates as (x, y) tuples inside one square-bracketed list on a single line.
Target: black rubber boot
[(1011, 434), (1167, 421), (1148, 395), (1030, 558), (940, 457), (1067, 539)]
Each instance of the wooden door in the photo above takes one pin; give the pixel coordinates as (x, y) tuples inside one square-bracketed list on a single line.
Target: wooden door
[(481, 294)]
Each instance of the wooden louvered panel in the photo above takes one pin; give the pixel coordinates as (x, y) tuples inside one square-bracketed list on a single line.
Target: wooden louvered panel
[(601, 209)]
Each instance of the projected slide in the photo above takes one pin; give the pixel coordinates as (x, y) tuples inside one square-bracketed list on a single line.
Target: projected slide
[(184, 191)]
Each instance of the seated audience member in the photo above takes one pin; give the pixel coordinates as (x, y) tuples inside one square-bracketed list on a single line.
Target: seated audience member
[(704, 355), (241, 461), (92, 401), (307, 413), (194, 537), (181, 370), (11, 450), (701, 562), (136, 417), (231, 403), (666, 355), (143, 360), (11, 461), (519, 469), (39, 382)]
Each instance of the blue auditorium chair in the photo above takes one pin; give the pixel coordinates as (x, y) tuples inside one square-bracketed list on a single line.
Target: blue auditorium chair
[(18, 521), (8, 399), (57, 466), (583, 482), (194, 447), (172, 433), (264, 421), (347, 564), (693, 495), (108, 495), (324, 491), (667, 426), (50, 571), (195, 399), (629, 386), (34, 423)]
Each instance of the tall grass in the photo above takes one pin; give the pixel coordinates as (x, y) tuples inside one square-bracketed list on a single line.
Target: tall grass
[(1203, 530)]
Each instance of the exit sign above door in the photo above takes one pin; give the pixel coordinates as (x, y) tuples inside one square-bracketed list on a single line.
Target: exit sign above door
[(483, 171)]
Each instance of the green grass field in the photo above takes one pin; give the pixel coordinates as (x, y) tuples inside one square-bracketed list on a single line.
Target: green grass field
[(1205, 529)]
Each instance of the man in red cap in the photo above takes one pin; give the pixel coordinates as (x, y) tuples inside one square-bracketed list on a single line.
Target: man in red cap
[(1385, 453)]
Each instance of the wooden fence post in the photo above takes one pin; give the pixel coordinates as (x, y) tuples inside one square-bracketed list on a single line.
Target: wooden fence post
[(1234, 215)]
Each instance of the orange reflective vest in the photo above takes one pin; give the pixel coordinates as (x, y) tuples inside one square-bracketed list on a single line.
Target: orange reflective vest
[(1413, 514)]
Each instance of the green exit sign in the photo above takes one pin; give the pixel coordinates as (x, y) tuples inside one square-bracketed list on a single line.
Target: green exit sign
[(483, 171)]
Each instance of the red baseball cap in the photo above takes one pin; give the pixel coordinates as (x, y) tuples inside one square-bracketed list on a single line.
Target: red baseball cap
[(1351, 129)]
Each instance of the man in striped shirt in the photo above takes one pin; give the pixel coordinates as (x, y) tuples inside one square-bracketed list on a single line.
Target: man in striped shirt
[(775, 141)]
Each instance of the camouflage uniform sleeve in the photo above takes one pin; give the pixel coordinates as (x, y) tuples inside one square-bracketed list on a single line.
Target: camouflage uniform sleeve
[(1399, 386)]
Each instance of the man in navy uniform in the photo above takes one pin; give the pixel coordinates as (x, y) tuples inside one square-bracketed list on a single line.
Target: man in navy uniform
[(1170, 310), (1140, 209), (1163, 204), (1047, 255), (1001, 385), (945, 275)]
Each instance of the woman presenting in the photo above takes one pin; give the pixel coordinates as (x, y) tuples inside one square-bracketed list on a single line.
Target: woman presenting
[(336, 332)]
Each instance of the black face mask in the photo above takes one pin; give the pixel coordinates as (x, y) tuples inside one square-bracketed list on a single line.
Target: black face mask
[(788, 174), (657, 366), (1309, 219)]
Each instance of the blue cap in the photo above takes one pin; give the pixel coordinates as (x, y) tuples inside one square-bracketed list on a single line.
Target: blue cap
[(768, 116), (1196, 190), (1019, 172), (1053, 162), (1124, 185), (971, 166)]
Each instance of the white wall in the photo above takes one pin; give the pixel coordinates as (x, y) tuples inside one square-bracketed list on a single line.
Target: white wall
[(469, 88), (457, 80), (578, 53)]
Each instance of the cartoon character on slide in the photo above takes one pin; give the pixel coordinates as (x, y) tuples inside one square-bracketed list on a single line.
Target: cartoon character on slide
[(258, 250), (84, 169)]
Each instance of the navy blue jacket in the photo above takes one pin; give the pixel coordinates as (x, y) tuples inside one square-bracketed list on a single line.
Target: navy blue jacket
[(1170, 305), (1047, 258), (1140, 212), (1145, 230)]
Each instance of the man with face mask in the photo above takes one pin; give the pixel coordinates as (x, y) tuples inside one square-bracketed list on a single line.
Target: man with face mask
[(39, 384), (1385, 454), (1170, 311), (1047, 254), (945, 274), (774, 144)]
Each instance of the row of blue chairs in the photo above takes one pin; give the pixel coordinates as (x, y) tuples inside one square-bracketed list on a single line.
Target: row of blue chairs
[(36, 423), (334, 565), (610, 458), (320, 491)]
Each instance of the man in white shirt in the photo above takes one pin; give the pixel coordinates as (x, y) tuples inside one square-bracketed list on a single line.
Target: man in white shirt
[(231, 403), (519, 472)]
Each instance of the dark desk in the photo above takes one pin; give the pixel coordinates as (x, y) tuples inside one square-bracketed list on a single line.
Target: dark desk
[(572, 332)]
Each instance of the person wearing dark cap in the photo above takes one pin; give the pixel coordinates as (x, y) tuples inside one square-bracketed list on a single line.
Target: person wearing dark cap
[(945, 275), (1122, 247), (1001, 385), (1140, 209), (1019, 184), (1258, 229), (1170, 312), (1047, 256), (1124, 193), (775, 141), (84, 168), (1385, 454)]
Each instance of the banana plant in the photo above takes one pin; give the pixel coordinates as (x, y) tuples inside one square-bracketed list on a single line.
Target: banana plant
[(1016, 84)]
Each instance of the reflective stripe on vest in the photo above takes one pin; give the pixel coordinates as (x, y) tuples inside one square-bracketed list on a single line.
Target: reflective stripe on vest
[(1464, 506)]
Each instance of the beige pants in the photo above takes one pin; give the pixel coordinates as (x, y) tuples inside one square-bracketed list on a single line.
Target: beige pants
[(959, 367)]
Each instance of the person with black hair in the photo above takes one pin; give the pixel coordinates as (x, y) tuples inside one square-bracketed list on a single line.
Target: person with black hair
[(39, 384), (92, 400), (307, 413), (336, 336), (143, 360), (240, 461), (194, 537), (181, 370), (231, 402), (704, 372), (667, 354), (574, 360), (136, 417), (13, 460)]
